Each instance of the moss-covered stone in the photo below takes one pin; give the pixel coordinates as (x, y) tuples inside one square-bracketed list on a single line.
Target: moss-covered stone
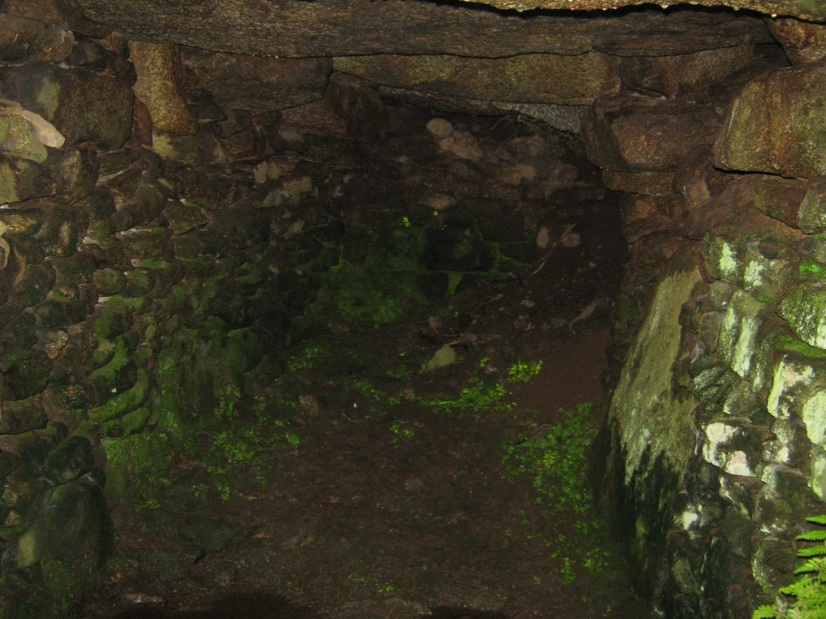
[(650, 414), (127, 425), (793, 379), (132, 461), (17, 339), (84, 105), (804, 308), (24, 179), (729, 447), (122, 402), (18, 138), (116, 372), (20, 416), (184, 216), (114, 317), (754, 263), (69, 460), (143, 243), (109, 282), (814, 416), (738, 339), (812, 215), (817, 476)]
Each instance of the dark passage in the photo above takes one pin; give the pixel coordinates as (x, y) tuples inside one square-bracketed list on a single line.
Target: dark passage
[(415, 442)]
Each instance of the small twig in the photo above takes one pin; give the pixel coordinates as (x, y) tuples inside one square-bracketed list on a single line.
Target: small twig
[(540, 264)]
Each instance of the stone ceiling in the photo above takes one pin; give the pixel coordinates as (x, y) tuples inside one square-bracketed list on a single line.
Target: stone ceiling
[(804, 9), (300, 29), (263, 55)]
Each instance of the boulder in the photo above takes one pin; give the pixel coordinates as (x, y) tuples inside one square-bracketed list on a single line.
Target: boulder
[(803, 41), (686, 74), (778, 125), (83, 105), (158, 87), (811, 218), (631, 133), (298, 29), (23, 39), (255, 83), (60, 12), (23, 179), (529, 78)]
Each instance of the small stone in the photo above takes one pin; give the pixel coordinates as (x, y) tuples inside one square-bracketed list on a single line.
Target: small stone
[(71, 459), (811, 218), (438, 201), (309, 405), (266, 171), (543, 237), (443, 357), (440, 128), (570, 239), (19, 139), (463, 145)]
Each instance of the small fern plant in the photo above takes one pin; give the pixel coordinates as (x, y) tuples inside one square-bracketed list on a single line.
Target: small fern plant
[(809, 592)]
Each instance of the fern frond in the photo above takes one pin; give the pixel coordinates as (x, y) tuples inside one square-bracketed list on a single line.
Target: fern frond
[(812, 551), (813, 536), (817, 600), (808, 567), (809, 592), (767, 611), (803, 589)]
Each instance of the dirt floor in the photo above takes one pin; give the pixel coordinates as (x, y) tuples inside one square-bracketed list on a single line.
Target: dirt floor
[(354, 479), (392, 491)]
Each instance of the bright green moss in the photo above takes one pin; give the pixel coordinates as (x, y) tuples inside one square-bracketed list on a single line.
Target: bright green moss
[(794, 345), (123, 402)]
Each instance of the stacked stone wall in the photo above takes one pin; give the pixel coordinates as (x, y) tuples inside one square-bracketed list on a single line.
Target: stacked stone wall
[(137, 293), (717, 418)]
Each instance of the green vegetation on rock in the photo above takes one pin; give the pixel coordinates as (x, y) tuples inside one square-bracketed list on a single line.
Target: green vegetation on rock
[(556, 458), (805, 598)]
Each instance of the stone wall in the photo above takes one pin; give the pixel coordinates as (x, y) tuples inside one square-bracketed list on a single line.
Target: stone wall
[(716, 424), (157, 244), (136, 294)]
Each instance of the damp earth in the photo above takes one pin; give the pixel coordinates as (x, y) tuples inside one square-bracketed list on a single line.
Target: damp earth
[(440, 466)]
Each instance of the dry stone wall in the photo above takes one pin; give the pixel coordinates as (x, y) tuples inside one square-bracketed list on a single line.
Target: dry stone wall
[(136, 294), (157, 243), (717, 419)]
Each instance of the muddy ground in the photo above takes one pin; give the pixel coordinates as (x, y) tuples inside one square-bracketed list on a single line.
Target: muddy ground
[(351, 481), (390, 491)]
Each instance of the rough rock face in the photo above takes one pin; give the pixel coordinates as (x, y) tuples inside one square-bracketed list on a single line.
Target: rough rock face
[(805, 9), (803, 41), (258, 84), (726, 430), (528, 78), (447, 57), (300, 29), (633, 133), (778, 125)]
